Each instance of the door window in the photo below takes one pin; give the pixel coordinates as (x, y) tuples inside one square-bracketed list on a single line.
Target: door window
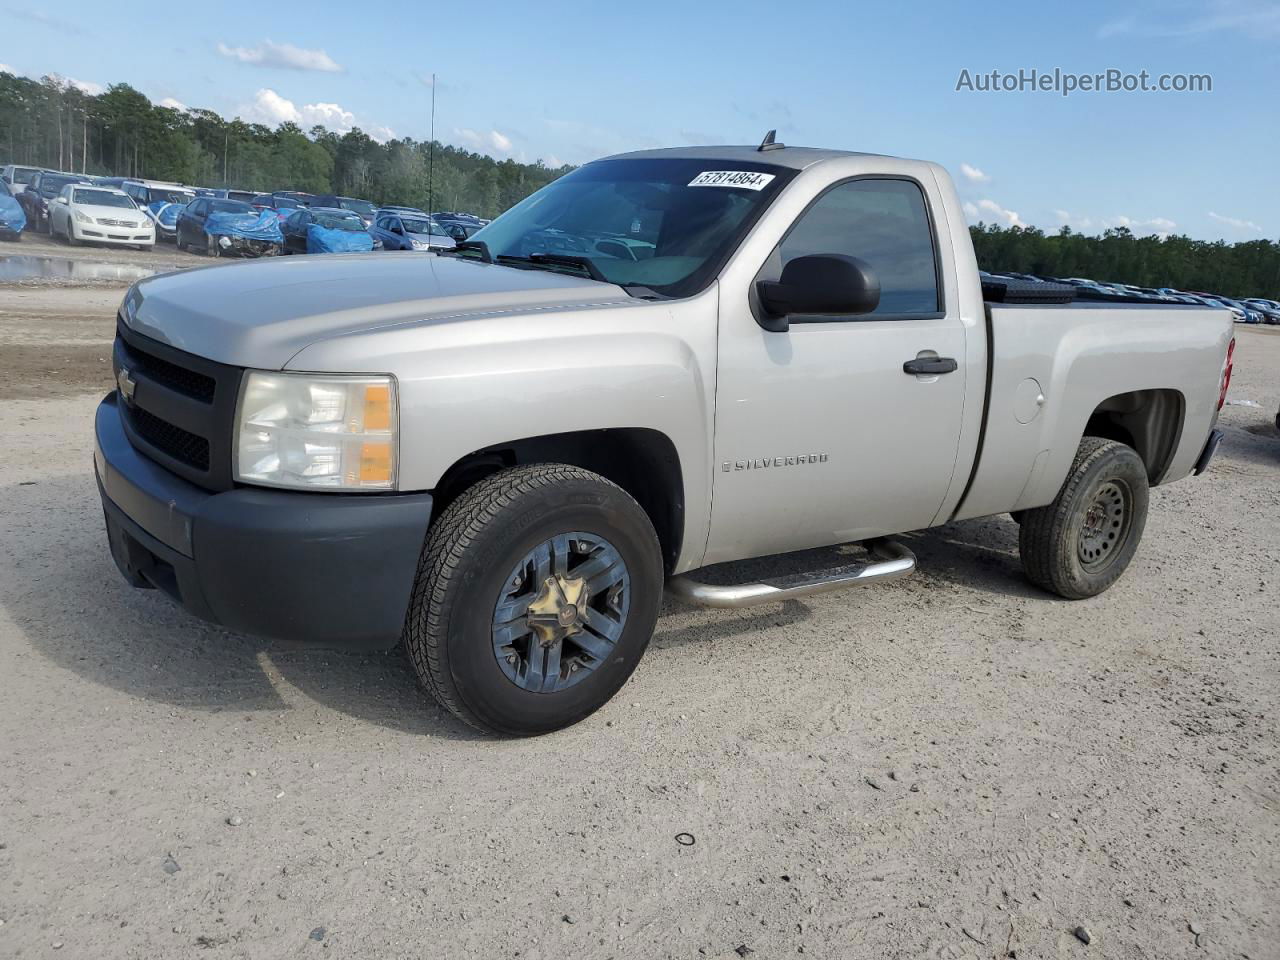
[(884, 223)]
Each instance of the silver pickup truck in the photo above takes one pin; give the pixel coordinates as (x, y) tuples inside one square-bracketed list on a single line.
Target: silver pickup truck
[(662, 361)]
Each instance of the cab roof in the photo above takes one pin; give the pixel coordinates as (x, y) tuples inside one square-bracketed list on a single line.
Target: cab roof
[(796, 158)]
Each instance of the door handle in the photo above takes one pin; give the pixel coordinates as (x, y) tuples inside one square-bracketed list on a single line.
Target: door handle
[(930, 366)]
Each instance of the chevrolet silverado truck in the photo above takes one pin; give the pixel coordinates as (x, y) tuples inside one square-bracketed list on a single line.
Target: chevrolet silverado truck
[(660, 362)]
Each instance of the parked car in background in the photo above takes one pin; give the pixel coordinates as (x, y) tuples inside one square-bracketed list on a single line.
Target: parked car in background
[(224, 193), (459, 230), (165, 217), (35, 200), (299, 199), (364, 208), (325, 230), (1268, 310), (12, 220), (280, 206), (85, 213), (148, 192), (228, 227), (395, 208), (18, 176), (407, 231)]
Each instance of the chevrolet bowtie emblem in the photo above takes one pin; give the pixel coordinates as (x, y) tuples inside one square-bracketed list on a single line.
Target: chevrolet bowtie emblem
[(126, 383)]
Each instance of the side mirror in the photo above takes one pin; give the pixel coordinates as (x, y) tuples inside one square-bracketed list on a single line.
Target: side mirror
[(821, 283), (59, 199)]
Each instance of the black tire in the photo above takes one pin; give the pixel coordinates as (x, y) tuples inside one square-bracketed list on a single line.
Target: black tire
[(1081, 543), (463, 574), (210, 246)]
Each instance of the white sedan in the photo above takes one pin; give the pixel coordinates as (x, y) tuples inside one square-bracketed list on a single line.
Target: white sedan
[(86, 214)]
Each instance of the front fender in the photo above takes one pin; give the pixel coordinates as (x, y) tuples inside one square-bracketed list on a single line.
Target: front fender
[(478, 383)]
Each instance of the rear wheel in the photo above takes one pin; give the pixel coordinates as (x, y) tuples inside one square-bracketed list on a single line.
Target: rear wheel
[(535, 598), (1080, 544)]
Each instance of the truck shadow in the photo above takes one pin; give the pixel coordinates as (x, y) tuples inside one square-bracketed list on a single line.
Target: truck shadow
[(64, 595), (62, 592)]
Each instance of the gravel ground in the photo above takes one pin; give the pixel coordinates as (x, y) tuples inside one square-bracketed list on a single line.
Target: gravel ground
[(953, 765), (58, 319)]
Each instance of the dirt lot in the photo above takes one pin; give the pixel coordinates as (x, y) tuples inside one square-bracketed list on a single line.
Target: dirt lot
[(56, 325), (953, 765)]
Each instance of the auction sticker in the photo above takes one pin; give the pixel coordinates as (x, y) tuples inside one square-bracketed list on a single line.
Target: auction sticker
[(743, 179)]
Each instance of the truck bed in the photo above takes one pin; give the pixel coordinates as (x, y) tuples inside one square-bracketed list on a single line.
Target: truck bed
[(1154, 361)]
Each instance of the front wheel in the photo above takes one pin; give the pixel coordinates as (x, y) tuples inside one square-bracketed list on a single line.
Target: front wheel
[(535, 597), (1081, 543)]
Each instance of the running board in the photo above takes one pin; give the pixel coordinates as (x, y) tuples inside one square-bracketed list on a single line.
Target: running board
[(889, 560)]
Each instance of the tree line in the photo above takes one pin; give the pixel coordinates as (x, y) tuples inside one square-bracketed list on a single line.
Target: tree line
[(120, 132), (1248, 269)]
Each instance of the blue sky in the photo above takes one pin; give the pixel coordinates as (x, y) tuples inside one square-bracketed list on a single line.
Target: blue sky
[(567, 82)]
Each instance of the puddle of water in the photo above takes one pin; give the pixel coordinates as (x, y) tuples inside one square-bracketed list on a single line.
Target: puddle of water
[(60, 268)]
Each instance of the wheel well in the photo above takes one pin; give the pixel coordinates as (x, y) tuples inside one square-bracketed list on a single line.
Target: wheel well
[(1150, 421), (642, 462)]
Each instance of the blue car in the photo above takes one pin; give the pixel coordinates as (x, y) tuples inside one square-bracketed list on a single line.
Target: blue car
[(12, 220), (409, 231), (326, 230)]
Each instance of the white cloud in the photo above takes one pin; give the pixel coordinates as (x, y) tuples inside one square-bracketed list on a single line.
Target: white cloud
[(326, 115), (970, 210), (173, 104), (381, 134), (551, 161), (1074, 220), (84, 86), (272, 109), (973, 174), (1160, 226), (1235, 222), (5, 68), (1251, 19), (491, 142), (283, 55), (1010, 217)]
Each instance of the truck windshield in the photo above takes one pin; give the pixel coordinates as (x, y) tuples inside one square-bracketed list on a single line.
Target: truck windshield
[(667, 225)]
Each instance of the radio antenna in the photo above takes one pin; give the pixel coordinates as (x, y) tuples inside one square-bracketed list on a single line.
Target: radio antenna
[(769, 142), (431, 155)]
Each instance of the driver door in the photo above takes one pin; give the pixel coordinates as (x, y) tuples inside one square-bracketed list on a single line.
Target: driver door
[(821, 436)]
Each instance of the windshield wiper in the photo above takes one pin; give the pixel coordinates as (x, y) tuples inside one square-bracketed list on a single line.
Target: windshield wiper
[(553, 260)]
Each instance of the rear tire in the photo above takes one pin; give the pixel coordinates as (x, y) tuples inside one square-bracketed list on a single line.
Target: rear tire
[(1079, 545), (483, 577)]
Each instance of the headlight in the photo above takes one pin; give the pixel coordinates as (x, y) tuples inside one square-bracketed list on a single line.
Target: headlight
[(82, 217), (317, 431)]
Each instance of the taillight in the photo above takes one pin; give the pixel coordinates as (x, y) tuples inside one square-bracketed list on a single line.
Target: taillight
[(1226, 373)]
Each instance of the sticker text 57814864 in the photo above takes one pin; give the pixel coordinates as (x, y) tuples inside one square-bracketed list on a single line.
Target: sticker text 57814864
[(742, 179)]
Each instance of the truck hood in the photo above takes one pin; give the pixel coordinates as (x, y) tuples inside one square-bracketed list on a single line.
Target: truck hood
[(260, 313)]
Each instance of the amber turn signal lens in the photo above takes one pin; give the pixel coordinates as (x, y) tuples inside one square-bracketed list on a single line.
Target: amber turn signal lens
[(375, 464), (377, 408)]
